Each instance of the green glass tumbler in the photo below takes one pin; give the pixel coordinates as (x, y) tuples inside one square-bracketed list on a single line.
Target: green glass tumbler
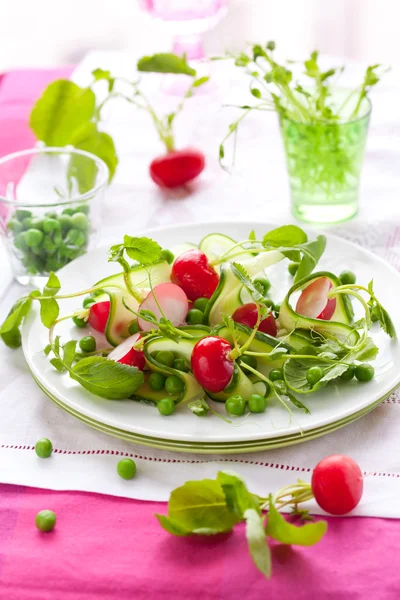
[(324, 161)]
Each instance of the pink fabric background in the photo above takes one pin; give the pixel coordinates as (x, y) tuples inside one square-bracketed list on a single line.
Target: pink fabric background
[(106, 547)]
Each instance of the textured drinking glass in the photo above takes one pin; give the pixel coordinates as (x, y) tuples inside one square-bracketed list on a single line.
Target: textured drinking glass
[(50, 208), (324, 163)]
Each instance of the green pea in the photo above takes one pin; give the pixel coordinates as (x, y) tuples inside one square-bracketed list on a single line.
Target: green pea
[(348, 374), (195, 317), (48, 245), (57, 238), (80, 221), (264, 283), (165, 357), (75, 237), (87, 344), (277, 308), (314, 374), (83, 208), (257, 403), (37, 223), (174, 385), (33, 237), (235, 405), (81, 323), (156, 381), (126, 468), (68, 211), (87, 302), (276, 375), (43, 448), (167, 256), (45, 520), (347, 277), (180, 365), (249, 360), (65, 223), (51, 215), (22, 214), (19, 242), (200, 304), (166, 406), (364, 372), (293, 268), (133, 327), (50, 225), (269, 303), (15, 226), (27, 223)]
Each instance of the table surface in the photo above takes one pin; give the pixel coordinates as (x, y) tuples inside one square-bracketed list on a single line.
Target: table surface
[(107, 547)]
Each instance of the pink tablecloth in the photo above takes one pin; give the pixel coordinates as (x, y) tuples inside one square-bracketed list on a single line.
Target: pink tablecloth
[(106, 547)]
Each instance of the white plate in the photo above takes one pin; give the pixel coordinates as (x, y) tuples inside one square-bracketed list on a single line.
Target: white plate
[(332, 404)]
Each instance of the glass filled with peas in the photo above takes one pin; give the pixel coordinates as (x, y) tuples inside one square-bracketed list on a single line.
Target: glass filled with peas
[(50, 208)]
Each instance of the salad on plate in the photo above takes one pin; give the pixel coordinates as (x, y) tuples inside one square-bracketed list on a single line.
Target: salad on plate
[(179, 328)]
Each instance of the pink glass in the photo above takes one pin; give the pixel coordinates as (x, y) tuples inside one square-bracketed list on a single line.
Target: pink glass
[(188, 21)]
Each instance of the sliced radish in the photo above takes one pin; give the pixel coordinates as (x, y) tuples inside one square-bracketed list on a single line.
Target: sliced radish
[(127, 355), (314, 302), (98, 315), (172, 300)]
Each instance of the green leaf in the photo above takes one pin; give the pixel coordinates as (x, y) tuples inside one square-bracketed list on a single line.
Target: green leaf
[(200, 81), (238, 498), (69, 353), (99, 74), (286, 533), (116, 253), (142, 249), (257, 541), (63, 108), (384, 319), (165, 63), (199, 407), (106, 378), (58, 364), (47, 349), (10, 329), (369, 351), (296, 402), (52, 286), (49, 311), (295, 371), (256, 92), (172, 527), (90, 139), (198, 507), (252, 236), (241, 274), (285, 236), (312, 252)]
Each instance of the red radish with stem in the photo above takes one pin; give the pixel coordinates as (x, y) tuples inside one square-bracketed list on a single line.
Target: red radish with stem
[(98, 315), (314, 302), (173, 303), (211, 363), (126, 354), (177, 167), (193, 273), (337, 484), (247, 314)]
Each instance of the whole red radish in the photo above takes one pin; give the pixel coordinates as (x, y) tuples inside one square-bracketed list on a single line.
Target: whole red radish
[(193, 273), (337, 484), (211, 364), (98, 315), (247, 314), (314, 302), (168, 297), (126, 354), (177, 167)]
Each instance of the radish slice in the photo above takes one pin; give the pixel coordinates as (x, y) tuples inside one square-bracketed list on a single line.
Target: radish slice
[(173, 301), (313, 302), (127, 355)]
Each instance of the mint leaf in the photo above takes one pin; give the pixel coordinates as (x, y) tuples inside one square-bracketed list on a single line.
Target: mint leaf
[(69, 353), (369, 351), (286, 533), (165, 63), (63, 108), (238, 498), (10, 329), (49, 311), (90, 139), (58, 364), (198, 507), (257, 541), (312, 252), (52, 286), (106, 378), (285, 236), (142, 249)]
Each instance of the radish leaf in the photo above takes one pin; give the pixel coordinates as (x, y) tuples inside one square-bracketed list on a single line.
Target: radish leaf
[(165, 63), (286, 533), (257, 541)]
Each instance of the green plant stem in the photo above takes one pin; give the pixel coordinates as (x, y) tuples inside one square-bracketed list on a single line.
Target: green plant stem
[(55, 323), (236, 352), (270, 383)]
